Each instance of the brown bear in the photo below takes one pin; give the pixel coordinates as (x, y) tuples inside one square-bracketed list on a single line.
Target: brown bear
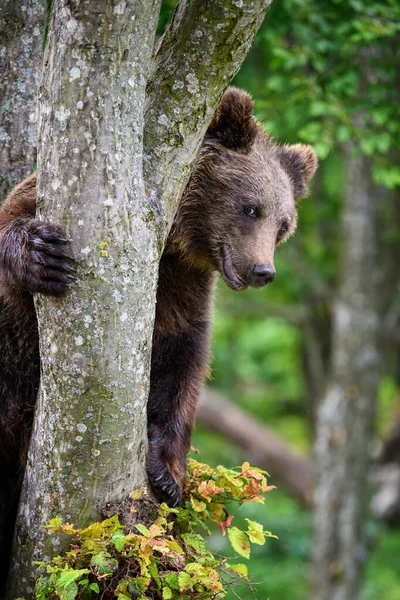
[(239, 204)]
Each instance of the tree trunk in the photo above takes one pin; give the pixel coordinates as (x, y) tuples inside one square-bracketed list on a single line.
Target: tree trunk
[(89, 443), (346, 414), (89, 440), (22, 27)]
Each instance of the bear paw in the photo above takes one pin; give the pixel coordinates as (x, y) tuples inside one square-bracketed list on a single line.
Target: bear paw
[(36, 257), (165, 487), (166, 468)]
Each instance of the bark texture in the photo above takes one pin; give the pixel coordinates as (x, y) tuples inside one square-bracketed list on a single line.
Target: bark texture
[(262, 446), (89, 440), (22, 27), (346, 414)]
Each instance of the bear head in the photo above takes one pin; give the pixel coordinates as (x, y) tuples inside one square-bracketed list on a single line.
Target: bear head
[(241, 200)]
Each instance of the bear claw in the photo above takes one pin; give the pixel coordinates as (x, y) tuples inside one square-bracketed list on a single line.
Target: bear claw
[(166, 488), (36, 258)]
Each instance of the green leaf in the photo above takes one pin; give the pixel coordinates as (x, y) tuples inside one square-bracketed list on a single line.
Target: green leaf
[(195, 541), (239, 541), (255, 533), (240, 569), (136, 494), (104, 564), (271, 535), (69, 577), (172, 580), (70, 592), (193, 567), (143, 529), (152, 567), (143, 583), (184, 581), (198, 505), (118, 538), (94, 587), (54, 522), (167, 593), (166, 509)]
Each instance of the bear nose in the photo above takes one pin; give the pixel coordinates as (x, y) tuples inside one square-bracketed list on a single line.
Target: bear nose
[(261, 275)]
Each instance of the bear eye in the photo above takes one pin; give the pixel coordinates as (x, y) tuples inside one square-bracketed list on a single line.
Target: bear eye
[(251, 211), (282, 232)]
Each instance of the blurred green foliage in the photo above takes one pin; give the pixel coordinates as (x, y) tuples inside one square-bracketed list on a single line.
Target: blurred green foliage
[(326, 74)]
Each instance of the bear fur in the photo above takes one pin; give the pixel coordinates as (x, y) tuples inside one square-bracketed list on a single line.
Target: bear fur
[(239, 204)]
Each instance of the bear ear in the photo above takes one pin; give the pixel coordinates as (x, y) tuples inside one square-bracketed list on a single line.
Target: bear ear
[(300, 163), (234, 125)]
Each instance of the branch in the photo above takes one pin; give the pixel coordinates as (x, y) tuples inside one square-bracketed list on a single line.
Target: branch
[(195, 60), (295, 473)]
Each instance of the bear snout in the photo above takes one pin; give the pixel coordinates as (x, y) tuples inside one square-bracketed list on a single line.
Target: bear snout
[(261, 275)]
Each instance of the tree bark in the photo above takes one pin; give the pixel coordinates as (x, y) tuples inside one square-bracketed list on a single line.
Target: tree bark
[(264, 448), (346, 414), (89, 440), (22, 27)]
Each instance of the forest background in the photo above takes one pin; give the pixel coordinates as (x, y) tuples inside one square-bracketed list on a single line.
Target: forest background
[(326, 75)]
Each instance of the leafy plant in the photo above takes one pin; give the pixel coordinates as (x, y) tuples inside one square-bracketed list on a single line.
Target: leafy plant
[(163, 559)]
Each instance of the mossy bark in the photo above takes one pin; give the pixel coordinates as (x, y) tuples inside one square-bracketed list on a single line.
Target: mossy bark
[(22, 27), (89, 441)]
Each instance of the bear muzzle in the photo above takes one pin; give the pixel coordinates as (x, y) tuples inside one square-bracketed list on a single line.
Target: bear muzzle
[(261, 275)]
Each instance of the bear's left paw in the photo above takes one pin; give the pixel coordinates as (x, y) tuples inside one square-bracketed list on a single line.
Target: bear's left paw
[(165, 487), (36, 257), (166, 468)]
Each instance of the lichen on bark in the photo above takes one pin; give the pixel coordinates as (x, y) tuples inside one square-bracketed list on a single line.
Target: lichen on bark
[(22, 25)]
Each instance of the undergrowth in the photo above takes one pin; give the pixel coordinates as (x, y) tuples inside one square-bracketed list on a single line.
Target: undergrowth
[(163, 556)]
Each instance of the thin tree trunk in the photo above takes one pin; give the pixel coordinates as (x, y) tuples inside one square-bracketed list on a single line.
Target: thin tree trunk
[(22, 27), (89, 439), (346, 414)]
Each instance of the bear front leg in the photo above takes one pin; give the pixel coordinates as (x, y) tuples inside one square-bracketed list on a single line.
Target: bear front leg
[(34, 255), (179, 364)]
